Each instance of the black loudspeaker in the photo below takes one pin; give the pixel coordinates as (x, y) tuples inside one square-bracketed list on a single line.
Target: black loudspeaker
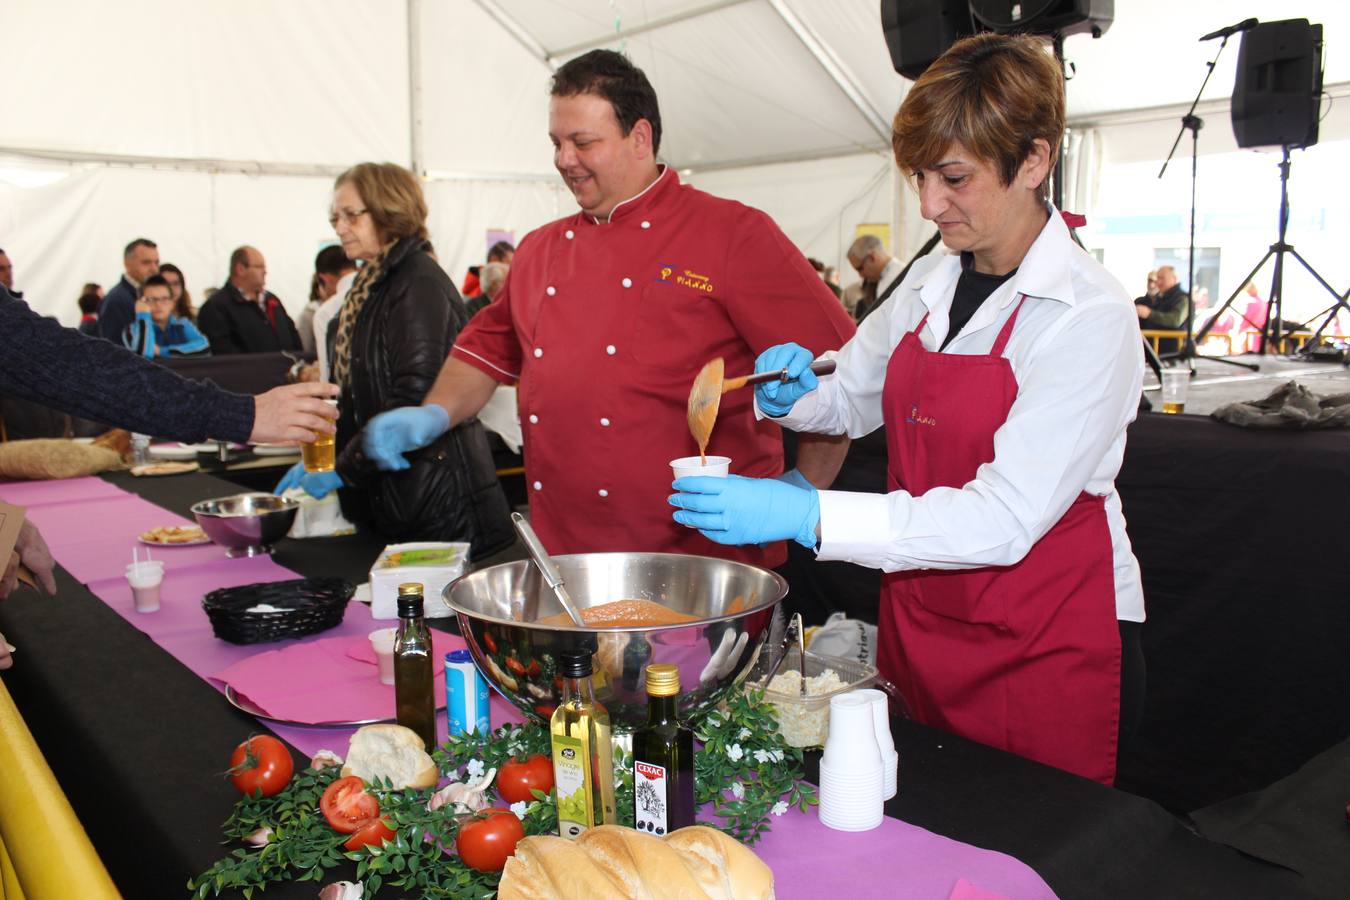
[(1278, 89), (1044, 16), (919, 31)]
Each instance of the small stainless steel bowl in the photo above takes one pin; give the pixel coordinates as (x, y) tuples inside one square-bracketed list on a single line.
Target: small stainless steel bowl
[(498, 608), (246, 524)]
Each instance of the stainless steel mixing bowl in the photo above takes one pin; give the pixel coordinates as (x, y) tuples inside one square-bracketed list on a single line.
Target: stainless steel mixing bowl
[(246, 524), (735, 603)]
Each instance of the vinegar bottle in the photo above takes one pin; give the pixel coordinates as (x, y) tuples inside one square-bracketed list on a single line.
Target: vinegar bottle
[(583, 767)]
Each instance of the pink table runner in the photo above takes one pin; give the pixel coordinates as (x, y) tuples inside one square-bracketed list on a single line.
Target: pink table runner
[(91, 525)]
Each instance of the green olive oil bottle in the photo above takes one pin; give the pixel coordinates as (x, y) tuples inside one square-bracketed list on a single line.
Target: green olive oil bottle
[(414, 685), (663, 759), (583, 767)]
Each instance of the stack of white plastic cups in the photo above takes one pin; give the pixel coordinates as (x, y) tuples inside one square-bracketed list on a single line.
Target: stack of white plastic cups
[(881, 723), (851, 776)]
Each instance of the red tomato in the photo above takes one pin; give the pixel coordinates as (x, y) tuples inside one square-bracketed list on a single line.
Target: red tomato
[(261, 763), (533, 669), (347, 806), (490, 642), (376, 832), (514, 665), (486, 840), (516, 778)]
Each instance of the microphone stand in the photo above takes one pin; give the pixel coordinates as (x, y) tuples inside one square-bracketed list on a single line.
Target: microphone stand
[(1193, 123)]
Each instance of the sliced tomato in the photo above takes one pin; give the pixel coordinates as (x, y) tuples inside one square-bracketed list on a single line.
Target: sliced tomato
[(514, 665), (533, 668), (347, 806), (376, 832), (490, 641)]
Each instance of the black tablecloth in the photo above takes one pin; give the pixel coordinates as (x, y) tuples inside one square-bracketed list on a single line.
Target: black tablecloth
[(139, 743)]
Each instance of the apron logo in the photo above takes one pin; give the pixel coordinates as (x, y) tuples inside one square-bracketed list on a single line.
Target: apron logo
[(915, 419), (684, 278)]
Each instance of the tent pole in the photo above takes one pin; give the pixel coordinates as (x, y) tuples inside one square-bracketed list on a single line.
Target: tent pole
[(517, 32), (835, 69), (416, 133)]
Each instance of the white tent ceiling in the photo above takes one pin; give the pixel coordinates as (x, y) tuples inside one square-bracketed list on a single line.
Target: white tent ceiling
[(216, 122)]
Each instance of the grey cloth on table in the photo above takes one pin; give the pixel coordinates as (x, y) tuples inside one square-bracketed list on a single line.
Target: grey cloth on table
[(1291, 405)]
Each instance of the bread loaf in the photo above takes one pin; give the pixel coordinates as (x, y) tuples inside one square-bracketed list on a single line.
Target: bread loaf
[(393, 752), (614, 863)]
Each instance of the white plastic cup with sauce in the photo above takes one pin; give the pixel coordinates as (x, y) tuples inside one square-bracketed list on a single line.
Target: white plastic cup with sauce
[(714, 467), (145, 579), (382, 642)]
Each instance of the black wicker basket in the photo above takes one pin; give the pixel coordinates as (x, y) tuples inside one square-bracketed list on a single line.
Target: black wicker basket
[(303, 606)]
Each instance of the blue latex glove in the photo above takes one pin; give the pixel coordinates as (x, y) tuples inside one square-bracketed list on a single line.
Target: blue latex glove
[(796, 478), (736, 510), (776, 398), (391, 434), (317, 484)]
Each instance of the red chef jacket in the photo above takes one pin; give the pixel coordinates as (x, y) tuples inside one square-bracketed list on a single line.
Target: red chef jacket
[(605, 325)]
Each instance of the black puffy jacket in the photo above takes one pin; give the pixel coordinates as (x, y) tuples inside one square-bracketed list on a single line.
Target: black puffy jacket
[(399, 342)]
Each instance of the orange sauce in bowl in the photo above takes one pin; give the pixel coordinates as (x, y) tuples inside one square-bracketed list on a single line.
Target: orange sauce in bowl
[(624, 614)]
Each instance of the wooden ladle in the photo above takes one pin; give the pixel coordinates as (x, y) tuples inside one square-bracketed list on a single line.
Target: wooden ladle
[(706, 395)]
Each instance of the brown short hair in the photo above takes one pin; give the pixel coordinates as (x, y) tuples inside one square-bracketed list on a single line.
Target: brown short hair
[(994, 94), (392, 196)]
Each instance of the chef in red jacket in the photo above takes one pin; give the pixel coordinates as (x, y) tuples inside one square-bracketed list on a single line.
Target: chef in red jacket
[(605, 320), (1004, 372)]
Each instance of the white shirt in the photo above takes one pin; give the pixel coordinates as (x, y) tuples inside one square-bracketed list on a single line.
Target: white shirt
[(1076, 353), (323, 315)]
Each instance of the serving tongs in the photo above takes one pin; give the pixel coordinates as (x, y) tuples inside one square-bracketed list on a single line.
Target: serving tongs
[(795, 631), (547, 567)]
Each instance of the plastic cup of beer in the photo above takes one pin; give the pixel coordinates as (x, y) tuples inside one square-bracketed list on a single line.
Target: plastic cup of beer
[(1175, 383), (320, 454)]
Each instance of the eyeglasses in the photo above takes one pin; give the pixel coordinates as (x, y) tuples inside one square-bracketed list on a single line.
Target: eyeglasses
[(347, 215)]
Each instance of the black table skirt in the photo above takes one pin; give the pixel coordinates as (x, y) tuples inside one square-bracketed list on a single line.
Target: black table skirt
[(138, 742)]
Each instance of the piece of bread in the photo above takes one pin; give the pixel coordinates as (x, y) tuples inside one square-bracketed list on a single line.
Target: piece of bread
[(610, 861), (393, 752)]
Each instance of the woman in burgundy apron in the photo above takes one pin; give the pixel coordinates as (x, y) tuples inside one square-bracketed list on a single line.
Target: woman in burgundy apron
[(1006, 569)]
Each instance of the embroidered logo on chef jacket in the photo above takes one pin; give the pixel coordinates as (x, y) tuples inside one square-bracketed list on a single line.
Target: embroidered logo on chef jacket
[(671, 273), (914, 418)]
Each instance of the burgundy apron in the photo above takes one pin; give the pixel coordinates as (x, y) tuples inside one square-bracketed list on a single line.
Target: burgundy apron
[(1025, 657)]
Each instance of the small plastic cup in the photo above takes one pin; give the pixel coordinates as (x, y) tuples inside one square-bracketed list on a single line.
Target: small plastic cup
[(852, 742), (881, 721), (382, 642), (715, 467), (1175, 383), (145, 580)]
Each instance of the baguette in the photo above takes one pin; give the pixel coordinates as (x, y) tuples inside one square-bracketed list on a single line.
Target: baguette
[(610, 862), (393, 752)]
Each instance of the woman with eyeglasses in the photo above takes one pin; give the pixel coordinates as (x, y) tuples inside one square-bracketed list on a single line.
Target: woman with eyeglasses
[(388, 343), (182, 300)]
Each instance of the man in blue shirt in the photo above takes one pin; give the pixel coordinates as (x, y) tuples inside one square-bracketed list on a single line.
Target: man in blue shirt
[(140, 260), (156, 331)]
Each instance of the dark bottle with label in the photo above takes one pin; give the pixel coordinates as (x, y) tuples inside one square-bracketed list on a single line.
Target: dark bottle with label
[(663, 759), (414, 687)]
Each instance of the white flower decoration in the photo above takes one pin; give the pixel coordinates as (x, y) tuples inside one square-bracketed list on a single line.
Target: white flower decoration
[(737, 790), (734, 752), (519, 809), (761, 756), (776, 755), (745, 733), (474, 770), (779, 808)]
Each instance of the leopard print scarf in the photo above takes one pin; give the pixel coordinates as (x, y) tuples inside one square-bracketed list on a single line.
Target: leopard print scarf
[(351, 308)]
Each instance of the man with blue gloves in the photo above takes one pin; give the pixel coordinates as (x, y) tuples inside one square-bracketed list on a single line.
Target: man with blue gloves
[(736, 510), (606, 318)]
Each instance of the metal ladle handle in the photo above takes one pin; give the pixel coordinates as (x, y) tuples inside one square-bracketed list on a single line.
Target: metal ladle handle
[(547, 567)]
